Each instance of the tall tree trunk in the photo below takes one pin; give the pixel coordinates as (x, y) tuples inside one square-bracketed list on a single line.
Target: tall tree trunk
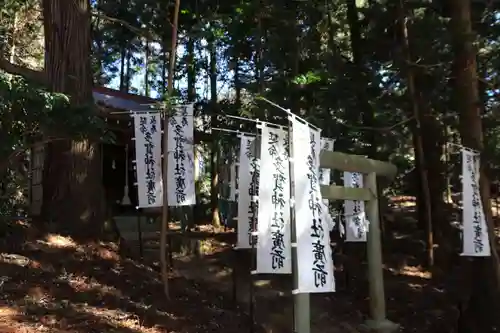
[(146, 73), (191, 214), (480, 310), (424, 195), (368, 116), (13, 50), (72, 175), (259, 51), (237, 81), (123, 59), (128, 75), (191, 70), (164, 71), (214, 155), (99, 54), (165, 244)]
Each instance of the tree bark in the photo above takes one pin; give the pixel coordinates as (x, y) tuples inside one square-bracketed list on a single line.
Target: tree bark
[(73, 193), (214, 154), (191, 69), (424, 201), (165, 249), (479, 312), (368, 114)]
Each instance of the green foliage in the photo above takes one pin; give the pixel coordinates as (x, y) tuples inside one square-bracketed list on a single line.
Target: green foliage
[(30, 115), (299, 54)]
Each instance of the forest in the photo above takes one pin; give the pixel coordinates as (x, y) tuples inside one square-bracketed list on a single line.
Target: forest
[(410, 82)]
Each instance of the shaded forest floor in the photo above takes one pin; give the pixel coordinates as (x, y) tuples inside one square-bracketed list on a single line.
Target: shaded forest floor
[(50, 284)]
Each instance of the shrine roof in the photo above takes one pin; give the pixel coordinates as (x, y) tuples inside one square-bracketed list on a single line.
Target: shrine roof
[(116, 99)]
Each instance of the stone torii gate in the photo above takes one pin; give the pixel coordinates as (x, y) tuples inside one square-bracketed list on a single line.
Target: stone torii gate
[(378, 321)]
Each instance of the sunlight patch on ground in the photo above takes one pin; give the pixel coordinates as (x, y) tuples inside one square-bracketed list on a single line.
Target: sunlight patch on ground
[(415, 286), (262, 283), (414, 271), (117, 318), (84, 284), (60, 242), (403, 201), (14, 259), (7, 312), (223, 274)]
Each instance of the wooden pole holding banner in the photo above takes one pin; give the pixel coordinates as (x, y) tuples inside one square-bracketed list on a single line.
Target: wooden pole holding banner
[(371, 168), (164, 215), (253, 239)]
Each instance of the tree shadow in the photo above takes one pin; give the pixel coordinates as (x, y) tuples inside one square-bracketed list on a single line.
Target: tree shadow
[(59, 286), (415, 300)]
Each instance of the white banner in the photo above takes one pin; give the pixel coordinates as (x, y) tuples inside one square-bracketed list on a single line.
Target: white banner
[(475, 231), (147, 131), (232, 181), (324, 174), (248, 175), (181, 169), (356, 223), (314, 254), (274, 255)]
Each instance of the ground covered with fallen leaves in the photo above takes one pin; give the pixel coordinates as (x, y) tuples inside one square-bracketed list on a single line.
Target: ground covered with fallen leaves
[(50, 284)]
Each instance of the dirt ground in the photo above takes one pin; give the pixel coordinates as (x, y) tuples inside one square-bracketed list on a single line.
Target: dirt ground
[(50, 284)]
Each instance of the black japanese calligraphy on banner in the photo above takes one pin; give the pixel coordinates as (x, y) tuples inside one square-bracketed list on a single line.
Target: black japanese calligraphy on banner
[(148, 159), (274, 247), (317, 230), (253, 190), (247, 183), (181, 190), (314, 257), (354, 211), (324, 174), (475, 237)]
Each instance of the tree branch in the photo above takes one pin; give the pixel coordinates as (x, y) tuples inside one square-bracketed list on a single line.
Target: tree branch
[(146, 33), (25, 72)]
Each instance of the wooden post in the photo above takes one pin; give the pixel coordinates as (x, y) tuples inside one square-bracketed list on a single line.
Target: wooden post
[(164, 243), (371, 169), (301, 302), (378, 321), (302, 311)]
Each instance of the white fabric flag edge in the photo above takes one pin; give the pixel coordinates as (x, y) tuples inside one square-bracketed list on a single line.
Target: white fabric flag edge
[(244, 182), (140, 165), (188, 149), (303, 213), (468, 209), (267, 183), (352, 232)]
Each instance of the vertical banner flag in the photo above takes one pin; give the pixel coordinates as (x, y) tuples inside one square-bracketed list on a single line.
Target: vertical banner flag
[(147, 131), (324, 174), (354, 211), (232, 181), (181, 169), (475, 231), (314, 254), (248, 174), (273, 240)]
